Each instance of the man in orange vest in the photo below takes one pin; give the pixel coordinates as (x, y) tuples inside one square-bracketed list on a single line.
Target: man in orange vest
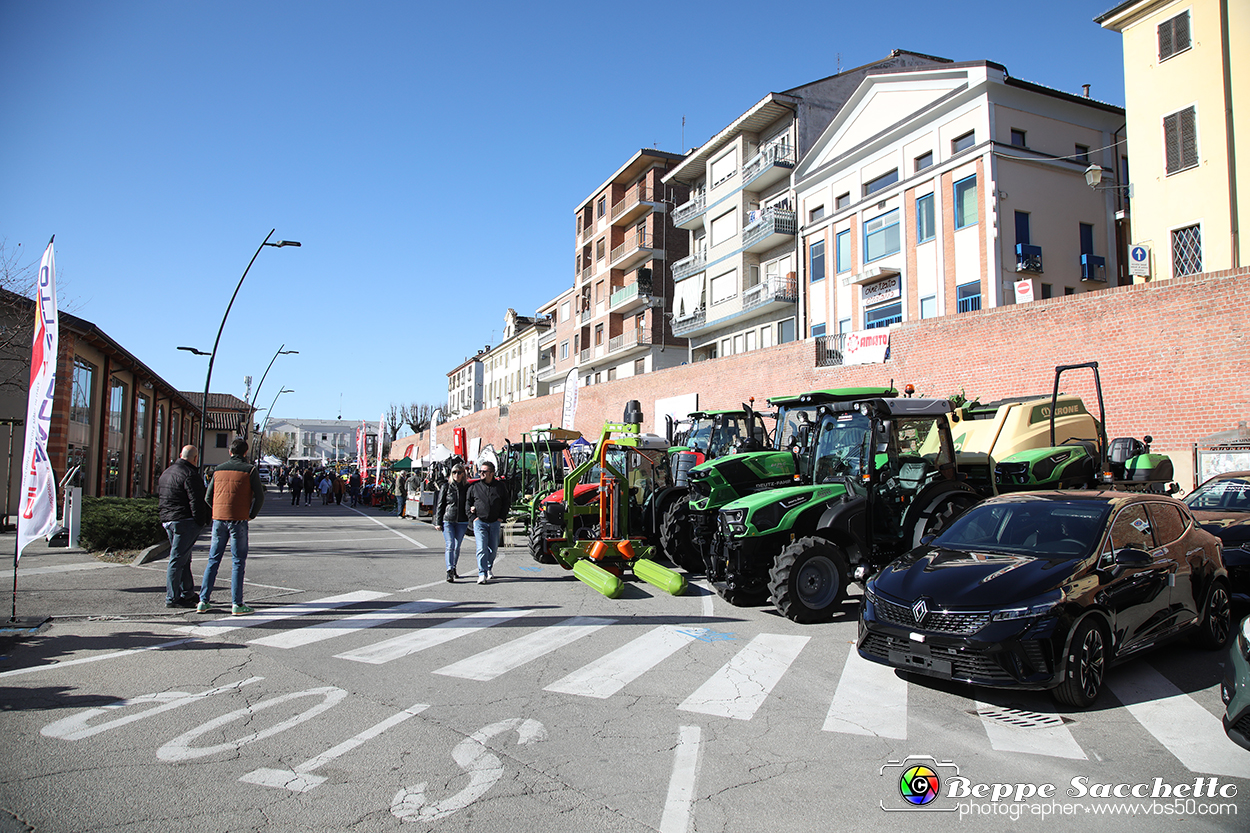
[(235, 494)]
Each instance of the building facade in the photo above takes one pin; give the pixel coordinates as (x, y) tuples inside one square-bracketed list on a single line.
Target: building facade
[(228, 417), (510, 369), (1186, 64), (465, 391), (737, 290), (322, 440), (946, 189)]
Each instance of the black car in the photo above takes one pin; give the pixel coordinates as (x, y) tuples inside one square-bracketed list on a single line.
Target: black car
[(1221, 506), (1044, 590)]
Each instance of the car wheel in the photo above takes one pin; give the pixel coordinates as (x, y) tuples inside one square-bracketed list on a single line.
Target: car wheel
[(1085, 665), (676, 537), (538, 543), (1217, 618), (808, 580)]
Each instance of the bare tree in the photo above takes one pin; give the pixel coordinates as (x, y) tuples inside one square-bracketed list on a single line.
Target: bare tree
[(16, 316), (417, 415), (393, 418), (278, 445)]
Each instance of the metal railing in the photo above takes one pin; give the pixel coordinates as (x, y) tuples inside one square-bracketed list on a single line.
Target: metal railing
[(691, 208), (769, 221), (584, 356), (689, 265), (630, 338), (628, 293), (829, 349), (690, 323), (632, 243), (970, 303), (639, 193), (772, 288), (770, 155)]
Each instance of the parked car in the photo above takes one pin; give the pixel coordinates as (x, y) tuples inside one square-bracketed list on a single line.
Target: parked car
[(1045, 590), (1222, 506), (1236, 688)]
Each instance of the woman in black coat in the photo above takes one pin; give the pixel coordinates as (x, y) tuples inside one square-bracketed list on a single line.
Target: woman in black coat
[(451, 516)]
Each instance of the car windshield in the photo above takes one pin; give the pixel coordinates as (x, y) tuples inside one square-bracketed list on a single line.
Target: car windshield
[(1225, 494), (1043, 528)]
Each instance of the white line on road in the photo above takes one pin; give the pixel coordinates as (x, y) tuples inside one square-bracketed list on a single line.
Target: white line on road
[(221, 626), (870, 700), (680, 800), (612, 672), (411, 643), (64, 568), (1052, 738), (67, 663), (499, 660), (328, 630), (740, 687)]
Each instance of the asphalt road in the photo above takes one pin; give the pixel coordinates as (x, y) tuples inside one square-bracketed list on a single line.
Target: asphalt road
[(366, 693)]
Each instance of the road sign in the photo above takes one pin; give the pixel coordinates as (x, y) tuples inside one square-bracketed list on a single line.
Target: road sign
[(1139, 260)]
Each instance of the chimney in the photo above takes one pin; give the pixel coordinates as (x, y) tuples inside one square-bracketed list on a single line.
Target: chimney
[(1085, 87)]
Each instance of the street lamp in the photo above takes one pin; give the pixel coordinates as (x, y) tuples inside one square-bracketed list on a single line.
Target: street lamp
[(1093, 178), (208, 378), (256, 395), (270, 411)]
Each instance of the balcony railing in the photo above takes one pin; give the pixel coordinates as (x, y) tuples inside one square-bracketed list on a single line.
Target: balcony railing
[(636, 195), (628, 293), (689, 265), (766, 223), (633, 243), (829, 349), (585, 315), (690, 209), (690, 323), (547, 337), (771, 156), (584, 356), (771, 288), (631, 338)]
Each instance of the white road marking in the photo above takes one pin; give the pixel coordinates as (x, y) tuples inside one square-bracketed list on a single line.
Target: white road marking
[(425, 586), (299, 780), (1053, 739), (328, 630), (499, 660), (612, 672), (680, 799), (16, 672), (180, 748), (411, 643), (707, 597), (740, 687), (412, 541), (870, 700), (1190, 732), (64, 568), (232, 623), (76, 727)]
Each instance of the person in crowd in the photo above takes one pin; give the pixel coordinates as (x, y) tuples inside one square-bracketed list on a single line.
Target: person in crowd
[(236, 495), (296, 482), (324, 488), (488, 504), (310, 485), (353, 487), (280, 476), (183, 513), (401, 494), (451, 516), (336, 488)]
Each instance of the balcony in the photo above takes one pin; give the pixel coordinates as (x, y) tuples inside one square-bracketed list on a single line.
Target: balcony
[(550, 372), (634, 337), (688, 266), (772, 164), (691, 323), (774, 291), (629, 298), (638, 246), (689, 215), (768, 229), (587, 272), (637, 201), (830, 349), (584, 356), (585, 315), (548, 337)]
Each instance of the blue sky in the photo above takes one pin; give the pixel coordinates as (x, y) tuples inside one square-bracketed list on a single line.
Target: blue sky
[(428, 156)]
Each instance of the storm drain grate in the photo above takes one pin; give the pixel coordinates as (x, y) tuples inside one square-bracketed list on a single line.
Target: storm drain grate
[(1021, 718)]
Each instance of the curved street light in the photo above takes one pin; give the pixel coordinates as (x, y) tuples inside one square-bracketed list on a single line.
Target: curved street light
[(208, 378), (256, 395), (269, 417)]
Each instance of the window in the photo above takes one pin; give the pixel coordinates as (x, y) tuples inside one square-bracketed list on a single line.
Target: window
[(844, 325), (928, 306), (843, 201), (724, 168), (1173, 36), (564, 311), (816, 213), (724, 227), (221, 440), (818, 330), (843, 254), (817, 252), (726, 347), (598, 292), (881, 236), (640, 366), (724, 286), (1018, 138), (1087, 238), (966, 202), (598, 335), (926, 228), (1022, 228), (963, 142), (924, 160), (1067, 290), (601, 207), (738, 343), (1186, 251), (750, 340), (766, 337), (1082, 153), (883, 316), (599, 249), (1048, 290), (80, 396), (968, 297), (880, 183), (785, 331), (1132, 529), (564, 349), (1180, 140), (611, 373)]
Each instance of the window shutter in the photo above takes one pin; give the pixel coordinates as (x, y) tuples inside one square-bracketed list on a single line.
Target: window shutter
[(1189, 137), (1173, 36)]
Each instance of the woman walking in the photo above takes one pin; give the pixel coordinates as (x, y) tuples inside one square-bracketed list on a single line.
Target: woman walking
[(451, 516)]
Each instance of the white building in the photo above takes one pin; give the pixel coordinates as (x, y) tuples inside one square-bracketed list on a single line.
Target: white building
[(465, 387), (315, 439), (510, 370)]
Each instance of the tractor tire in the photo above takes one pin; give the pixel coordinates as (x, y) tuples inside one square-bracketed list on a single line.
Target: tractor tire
[(677, 540), (808, 580), (738, 596), (1085, 666), (538, 543), (949, 507)]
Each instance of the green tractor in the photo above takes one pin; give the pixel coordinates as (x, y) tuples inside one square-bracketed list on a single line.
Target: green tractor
[(1088, 461), (533, 469), (688, 526), (874, 475)]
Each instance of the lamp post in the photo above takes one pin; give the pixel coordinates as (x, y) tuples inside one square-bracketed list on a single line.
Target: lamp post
[(208, 378), (256, 395), (270, 411)]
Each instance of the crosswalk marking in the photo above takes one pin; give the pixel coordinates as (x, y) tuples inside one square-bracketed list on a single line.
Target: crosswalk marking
[(740, 687), (612, 672), (870, 700), (221, 626), (491, 663), (1052, 738), (1190, 732), (411, 643), (328, 630)]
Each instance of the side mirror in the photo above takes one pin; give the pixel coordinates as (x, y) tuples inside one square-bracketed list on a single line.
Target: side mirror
[(928, 539), (1132, 557)]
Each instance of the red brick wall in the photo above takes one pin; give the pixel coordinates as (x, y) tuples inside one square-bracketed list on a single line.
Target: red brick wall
[(1174, 358)]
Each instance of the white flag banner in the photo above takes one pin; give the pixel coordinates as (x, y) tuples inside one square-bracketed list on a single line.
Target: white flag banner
[(435, 419), (377, 478), (568, 414), (38, 497)]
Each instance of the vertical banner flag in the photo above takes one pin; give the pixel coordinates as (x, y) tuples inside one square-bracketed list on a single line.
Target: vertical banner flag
[(38, 497), (435, 419), (362, 459), (569, 413), (377, 478)]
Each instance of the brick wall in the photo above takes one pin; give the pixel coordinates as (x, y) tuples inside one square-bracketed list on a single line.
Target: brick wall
[(1174, 358)]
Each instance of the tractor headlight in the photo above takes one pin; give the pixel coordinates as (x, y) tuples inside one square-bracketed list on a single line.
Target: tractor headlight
[(733, 521)]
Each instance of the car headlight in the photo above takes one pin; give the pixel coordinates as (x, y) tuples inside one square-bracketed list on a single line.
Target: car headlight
[(1243, 638), (1030, 611), (868, 594), (733, 521)]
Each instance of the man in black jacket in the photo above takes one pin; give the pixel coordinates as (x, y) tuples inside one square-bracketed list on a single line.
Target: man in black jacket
[(488, 506), (183, 513)]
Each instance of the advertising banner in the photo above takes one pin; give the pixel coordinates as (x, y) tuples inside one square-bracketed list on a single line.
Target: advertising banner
[(38, 496)]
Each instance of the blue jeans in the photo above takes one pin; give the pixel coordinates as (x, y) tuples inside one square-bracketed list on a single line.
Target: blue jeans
[(400, 497), (179, 580), (453, 536), (236, 532), (487, 534)]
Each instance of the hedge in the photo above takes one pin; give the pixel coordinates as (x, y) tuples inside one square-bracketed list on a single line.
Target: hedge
[(119, 523)]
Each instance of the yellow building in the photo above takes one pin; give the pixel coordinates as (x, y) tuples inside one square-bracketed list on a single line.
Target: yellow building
[(1186, 64)]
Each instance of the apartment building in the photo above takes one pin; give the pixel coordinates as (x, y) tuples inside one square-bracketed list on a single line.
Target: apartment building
[(556, 353), (465, 386), (737, 290), (1185, 66), (946, 189), (328, 440), (510, 369)]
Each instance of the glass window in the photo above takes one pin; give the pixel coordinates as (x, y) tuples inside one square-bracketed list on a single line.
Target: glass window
[(844, 325), (881, 182), (818, 330), (222, 439), (843, 241), (724, 168), (1169, 523), (1082, 153), (1180, 140), (963, 142), (564, 349), (1132, 529), (601, 207), (80, 396), (815, 214), (817, 252), (843, 200), (750, 340), (724, 227), (881, 236), (966, 202), (928, 306), (766, 337), (968, 297), (785, 331), (1022, 228), (1087, 238), (725, 286), (883, 316), (1048, 290), (1018, 138), (1186, 251), (926, 227), (924, 160)]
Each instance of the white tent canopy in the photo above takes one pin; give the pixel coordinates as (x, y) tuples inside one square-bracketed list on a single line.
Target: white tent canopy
[(270, 460), (440, 453)]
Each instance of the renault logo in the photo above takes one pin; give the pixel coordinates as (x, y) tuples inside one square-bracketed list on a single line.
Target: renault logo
[(920, 610)]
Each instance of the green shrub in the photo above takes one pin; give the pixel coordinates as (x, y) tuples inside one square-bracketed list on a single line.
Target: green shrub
[(119, 523)]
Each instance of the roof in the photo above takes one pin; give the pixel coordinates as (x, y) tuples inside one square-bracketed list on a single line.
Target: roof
[(218, 401), (637, 163)]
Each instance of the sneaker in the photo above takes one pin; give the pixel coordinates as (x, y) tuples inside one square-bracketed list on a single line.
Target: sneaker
[(490, 576), (203, 607), (481, 579), (240, 610), (451, 575)]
